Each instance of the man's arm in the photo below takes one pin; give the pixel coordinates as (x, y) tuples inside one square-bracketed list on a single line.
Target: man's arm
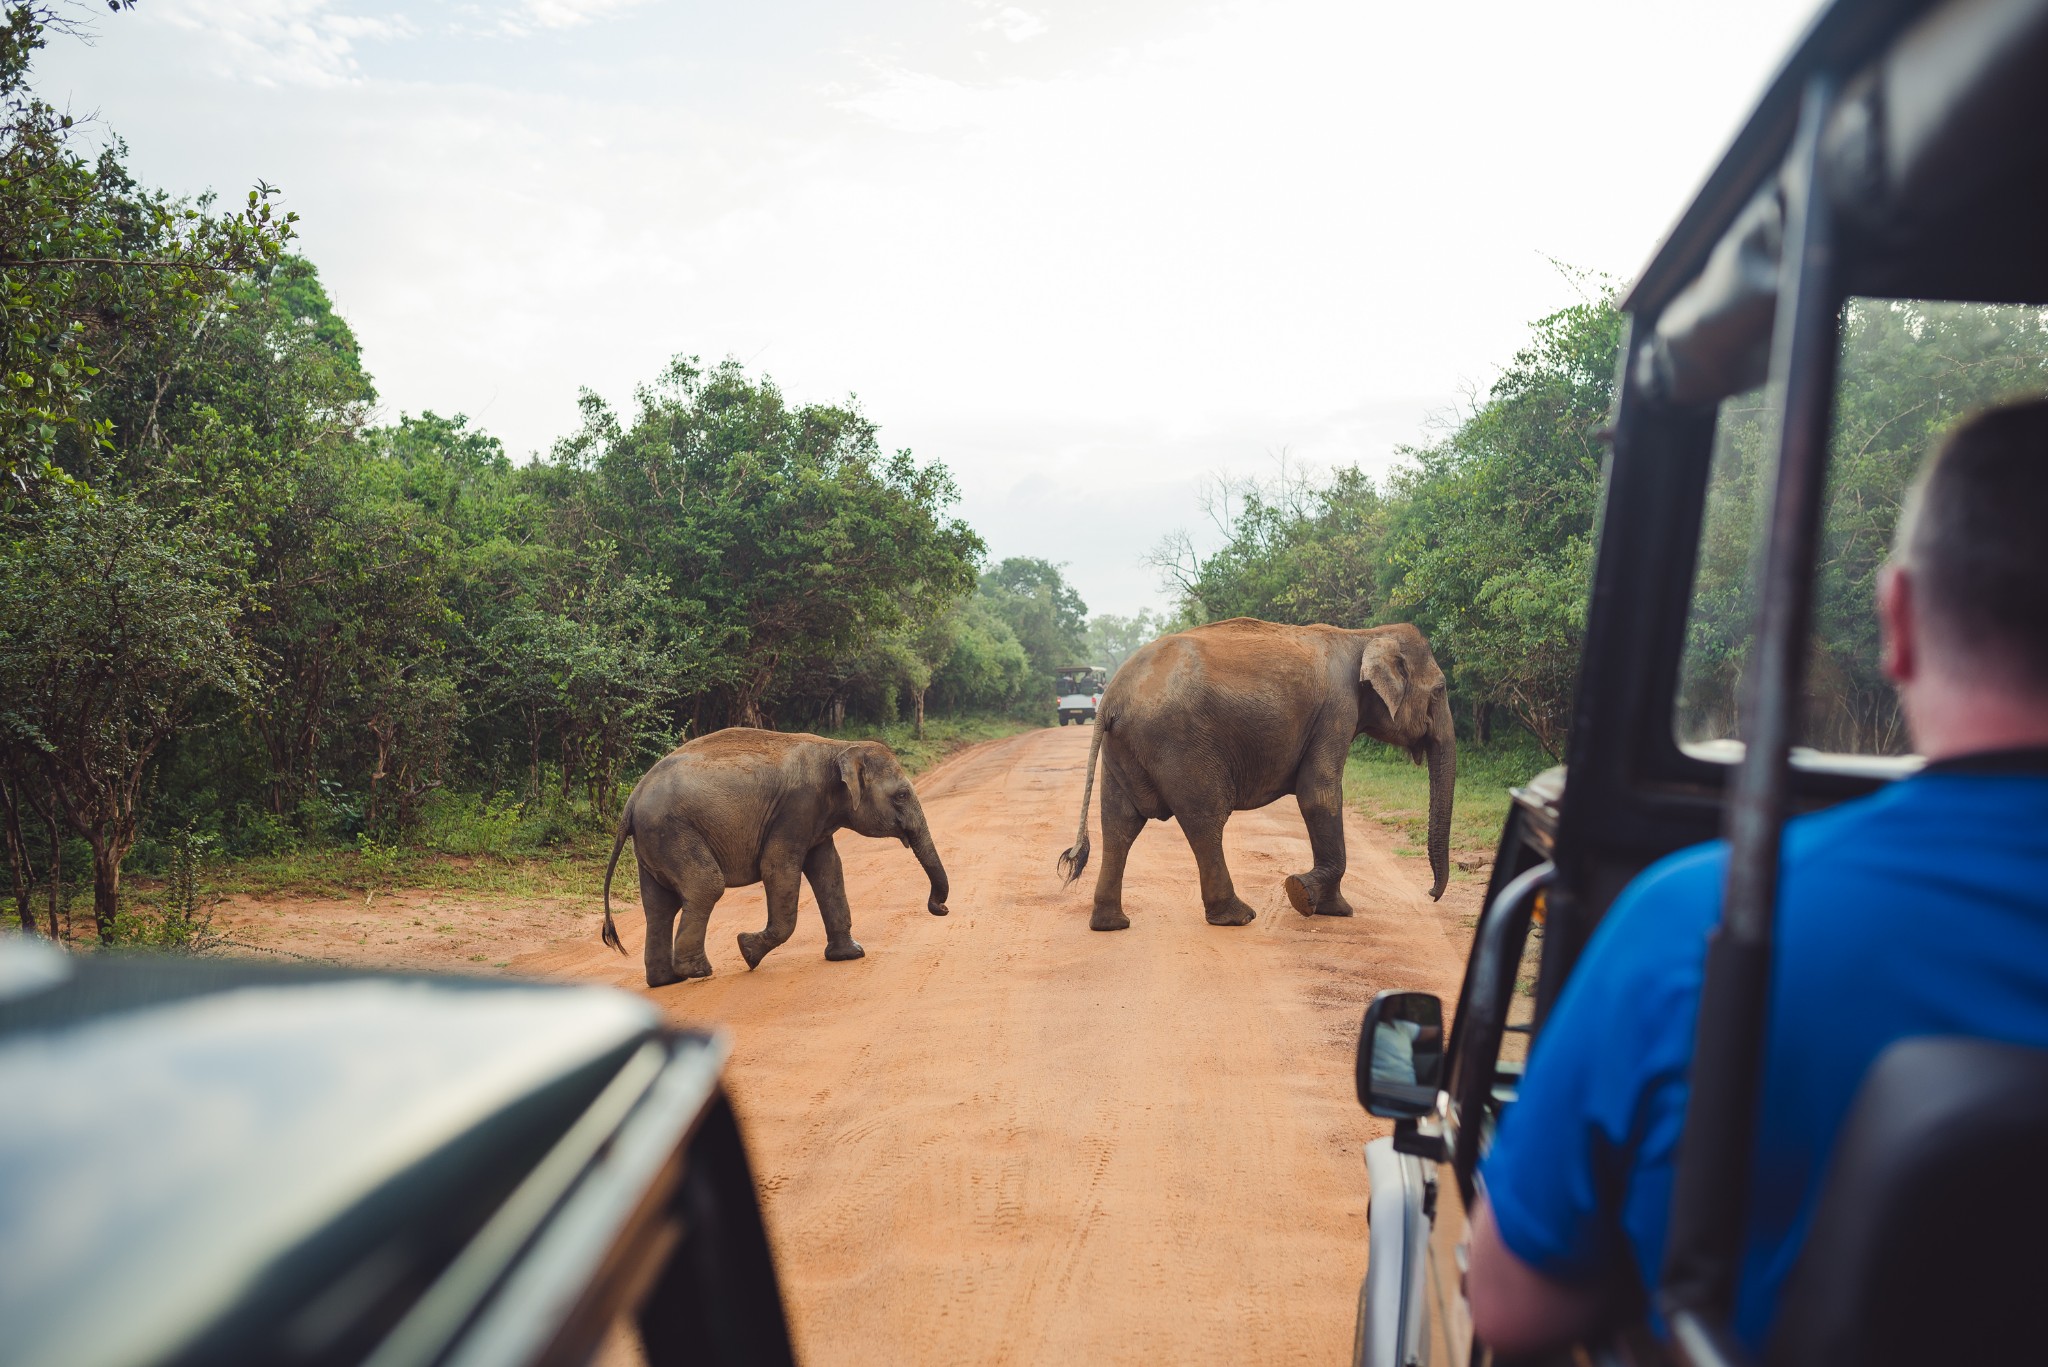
[(1515, 1308), (1579, 1169)]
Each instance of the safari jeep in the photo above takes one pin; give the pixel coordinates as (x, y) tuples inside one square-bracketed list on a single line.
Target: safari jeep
[(1867, 264), (1076, 691)]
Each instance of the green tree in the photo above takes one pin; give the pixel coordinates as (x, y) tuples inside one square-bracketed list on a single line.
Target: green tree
[(986, 667), (1910, 369), (1041, 609), (1113, 639), (1296, 552), (792, 541), (113, 621), (90, 262), (578, 661), (1490, 551)]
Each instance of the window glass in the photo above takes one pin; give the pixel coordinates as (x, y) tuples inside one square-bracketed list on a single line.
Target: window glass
[(1910, 369)]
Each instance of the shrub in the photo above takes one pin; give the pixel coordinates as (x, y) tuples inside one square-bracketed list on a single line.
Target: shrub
[(181, 920)]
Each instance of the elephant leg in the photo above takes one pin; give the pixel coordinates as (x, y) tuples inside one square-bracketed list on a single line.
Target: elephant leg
[(828, 885), (1121, 823), (1320, 891), (780, 871), (658, 903), (1220, 902), (675, 945)]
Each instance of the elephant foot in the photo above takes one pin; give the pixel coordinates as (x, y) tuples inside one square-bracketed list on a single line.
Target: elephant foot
[(1235, 912), (1109, 918), (754, 947), (700, 967), (841, 953), (1303, 899)]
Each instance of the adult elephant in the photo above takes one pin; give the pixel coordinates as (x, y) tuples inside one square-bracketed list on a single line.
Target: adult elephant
[(1230, 716), (743, 806)]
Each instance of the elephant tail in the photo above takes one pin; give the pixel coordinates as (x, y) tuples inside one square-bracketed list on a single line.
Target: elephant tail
[(1075, 859), (611, 932)]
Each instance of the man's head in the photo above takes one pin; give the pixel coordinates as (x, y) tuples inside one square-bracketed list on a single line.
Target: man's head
[(1964, 603)]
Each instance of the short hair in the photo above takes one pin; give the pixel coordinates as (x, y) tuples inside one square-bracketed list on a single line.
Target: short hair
[(1974, 535)]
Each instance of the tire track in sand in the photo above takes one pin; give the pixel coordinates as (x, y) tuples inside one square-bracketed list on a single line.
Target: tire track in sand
[(1003, 1138)]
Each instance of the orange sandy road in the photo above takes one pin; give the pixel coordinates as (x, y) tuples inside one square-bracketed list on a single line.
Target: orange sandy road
[(1003, 1138)]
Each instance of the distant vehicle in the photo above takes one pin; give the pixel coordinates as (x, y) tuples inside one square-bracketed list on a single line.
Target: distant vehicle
[(1077, 689), (219, 1162)]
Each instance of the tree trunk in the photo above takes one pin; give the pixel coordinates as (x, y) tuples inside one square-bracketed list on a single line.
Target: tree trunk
[(751, 710), (533, 742), (919, 706), (17, 857), (384, 731), (56, 870), (106, 886)]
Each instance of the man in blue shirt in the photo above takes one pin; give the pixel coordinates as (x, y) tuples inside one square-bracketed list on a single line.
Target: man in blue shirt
[(1920, 910)]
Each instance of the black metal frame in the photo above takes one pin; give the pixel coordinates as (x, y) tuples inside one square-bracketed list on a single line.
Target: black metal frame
[(1481, 1025), (1707, 1213)]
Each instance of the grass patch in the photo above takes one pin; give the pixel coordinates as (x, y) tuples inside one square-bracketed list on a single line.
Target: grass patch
[(1381, 782), (573, 869)]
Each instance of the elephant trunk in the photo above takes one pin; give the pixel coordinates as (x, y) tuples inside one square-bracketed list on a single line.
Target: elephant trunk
[(1443, 775), (920, 842)]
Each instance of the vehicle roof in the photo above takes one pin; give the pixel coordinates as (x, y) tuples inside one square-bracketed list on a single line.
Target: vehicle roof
[(1942, 84), (1843, 31), (209, 1145)]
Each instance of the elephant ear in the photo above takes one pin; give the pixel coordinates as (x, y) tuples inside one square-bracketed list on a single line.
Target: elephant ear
[(1385, 670), (852, 773)]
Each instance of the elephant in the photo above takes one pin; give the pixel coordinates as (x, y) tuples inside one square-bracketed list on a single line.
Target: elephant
[(740, 806), (1230, 716)]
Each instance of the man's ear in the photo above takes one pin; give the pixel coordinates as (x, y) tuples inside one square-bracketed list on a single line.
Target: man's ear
[(1897, 624), (1385, 669)]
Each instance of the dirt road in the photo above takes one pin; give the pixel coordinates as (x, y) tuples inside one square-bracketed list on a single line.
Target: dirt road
[(1004, 1138)]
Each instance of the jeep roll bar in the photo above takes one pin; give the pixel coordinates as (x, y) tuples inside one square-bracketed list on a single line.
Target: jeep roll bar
[(1704, 1248)]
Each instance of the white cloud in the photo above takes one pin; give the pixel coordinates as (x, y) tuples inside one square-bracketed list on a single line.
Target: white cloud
[(285, 42), (1017, 25), (564, 14), (916, 101)]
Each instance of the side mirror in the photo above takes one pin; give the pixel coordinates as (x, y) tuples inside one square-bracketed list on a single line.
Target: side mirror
[(1401, 1055)]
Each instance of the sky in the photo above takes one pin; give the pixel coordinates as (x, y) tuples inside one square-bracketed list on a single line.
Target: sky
[(1093, 257)]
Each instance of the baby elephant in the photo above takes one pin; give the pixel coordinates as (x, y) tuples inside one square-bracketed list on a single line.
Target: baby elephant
[(742, 806)]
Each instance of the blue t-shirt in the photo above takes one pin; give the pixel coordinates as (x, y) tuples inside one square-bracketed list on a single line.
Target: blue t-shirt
[(1921, 910)]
